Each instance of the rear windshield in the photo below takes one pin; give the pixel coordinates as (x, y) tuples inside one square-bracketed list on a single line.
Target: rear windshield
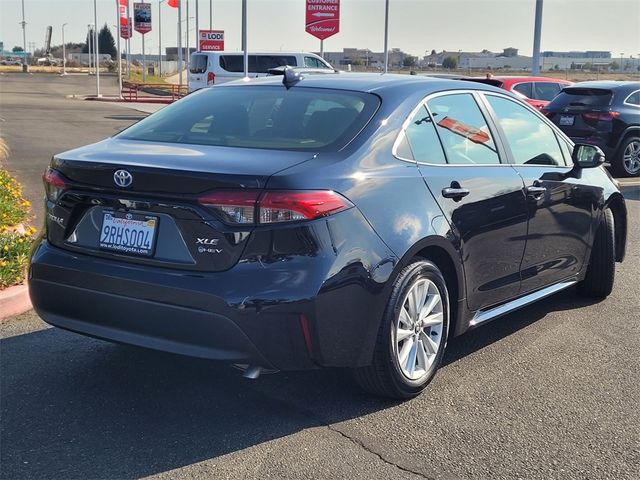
[(257, 63), (198, 63), (269, 117), (583, 97)]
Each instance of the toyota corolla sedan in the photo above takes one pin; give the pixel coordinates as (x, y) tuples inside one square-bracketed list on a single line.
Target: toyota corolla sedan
[(341, 220)]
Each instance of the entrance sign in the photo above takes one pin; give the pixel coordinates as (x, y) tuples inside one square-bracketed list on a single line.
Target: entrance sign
[(322, 18)]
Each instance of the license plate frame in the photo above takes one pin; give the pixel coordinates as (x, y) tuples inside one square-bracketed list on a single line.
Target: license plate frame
[(127, 233), (567, 120)]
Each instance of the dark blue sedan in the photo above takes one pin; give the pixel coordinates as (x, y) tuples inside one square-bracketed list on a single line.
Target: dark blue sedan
[(337, 220)]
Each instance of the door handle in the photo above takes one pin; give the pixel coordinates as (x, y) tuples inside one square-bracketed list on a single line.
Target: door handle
[(455, 191), (535, 190)]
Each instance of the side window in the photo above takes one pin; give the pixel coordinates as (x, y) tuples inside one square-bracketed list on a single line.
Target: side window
[(546, 90), (423, 140), (463, 130), (311, 62), (267, 62), (525, 89), (634, 98), (532, 141)]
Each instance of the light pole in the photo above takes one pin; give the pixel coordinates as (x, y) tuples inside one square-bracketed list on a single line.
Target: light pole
[(89, 42), (64, 53), (620, 67), (244, 40), (537, 31), (96, 48), (24, 41), (210, 14), (386, 36), (160, 2), (117, 29)]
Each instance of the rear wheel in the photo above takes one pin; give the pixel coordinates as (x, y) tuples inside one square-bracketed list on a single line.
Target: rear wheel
[(598, 281), (412, 337), (627, 163)]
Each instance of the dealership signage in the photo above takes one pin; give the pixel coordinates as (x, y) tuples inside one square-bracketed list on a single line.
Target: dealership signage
[(211, 40), (323, 18), (125, 24), (142, 17)]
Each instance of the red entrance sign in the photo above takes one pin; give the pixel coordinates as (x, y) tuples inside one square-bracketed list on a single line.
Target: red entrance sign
[(211, 40), (323, 18)]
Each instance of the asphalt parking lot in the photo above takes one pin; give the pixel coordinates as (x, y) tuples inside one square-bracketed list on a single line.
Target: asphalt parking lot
[(549, 392)]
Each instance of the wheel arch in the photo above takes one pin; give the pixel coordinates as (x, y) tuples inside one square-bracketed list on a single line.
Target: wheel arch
[(444, 255), (633, 130)]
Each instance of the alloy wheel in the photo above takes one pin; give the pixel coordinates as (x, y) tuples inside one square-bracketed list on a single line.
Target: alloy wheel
[(419, 326), (631, 158)]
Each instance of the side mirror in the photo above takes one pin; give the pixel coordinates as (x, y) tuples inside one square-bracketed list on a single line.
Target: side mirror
[(587, 156)]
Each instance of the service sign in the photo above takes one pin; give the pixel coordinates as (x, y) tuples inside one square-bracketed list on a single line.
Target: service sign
[(211, 40), (323, 18), (142, 17)]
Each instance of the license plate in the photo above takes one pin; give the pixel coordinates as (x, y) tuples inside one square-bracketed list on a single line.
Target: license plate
[(567, 120), (128, 233)]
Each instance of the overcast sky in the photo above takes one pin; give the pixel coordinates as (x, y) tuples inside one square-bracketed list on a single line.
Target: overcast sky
[(415, 25)]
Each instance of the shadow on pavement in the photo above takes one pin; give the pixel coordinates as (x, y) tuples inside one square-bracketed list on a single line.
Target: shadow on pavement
[(73, 407)]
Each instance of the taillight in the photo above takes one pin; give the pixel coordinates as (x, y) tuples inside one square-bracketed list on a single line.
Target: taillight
[(234, 207), (600, 116), (54, 183), (255, 207), (210, 78)]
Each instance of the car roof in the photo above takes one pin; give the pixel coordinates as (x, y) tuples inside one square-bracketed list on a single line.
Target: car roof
[(521, 78), (380, 83)]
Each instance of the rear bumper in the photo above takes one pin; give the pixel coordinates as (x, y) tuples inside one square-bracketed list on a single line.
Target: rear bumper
[(291, 312)]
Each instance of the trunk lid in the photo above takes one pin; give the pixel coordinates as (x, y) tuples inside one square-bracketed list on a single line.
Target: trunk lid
[(160, 205)]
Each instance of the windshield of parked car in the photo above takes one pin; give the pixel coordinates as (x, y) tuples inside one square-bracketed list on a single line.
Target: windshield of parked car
[(270, 117)]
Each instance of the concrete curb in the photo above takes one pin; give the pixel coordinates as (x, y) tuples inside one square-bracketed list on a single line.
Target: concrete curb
[(14, 301)]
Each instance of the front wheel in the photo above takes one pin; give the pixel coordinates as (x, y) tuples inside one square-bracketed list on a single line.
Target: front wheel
[(598, 281), (413, 334)]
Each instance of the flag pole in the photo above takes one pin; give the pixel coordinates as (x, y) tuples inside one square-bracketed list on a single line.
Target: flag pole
[(180, 42), (244, 39), (119, 51), (386, 36)]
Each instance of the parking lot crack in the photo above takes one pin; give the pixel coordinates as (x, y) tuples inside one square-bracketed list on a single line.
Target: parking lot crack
[(360, 444)]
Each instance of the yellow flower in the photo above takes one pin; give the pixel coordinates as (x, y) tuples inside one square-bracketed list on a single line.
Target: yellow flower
[(6, 248)]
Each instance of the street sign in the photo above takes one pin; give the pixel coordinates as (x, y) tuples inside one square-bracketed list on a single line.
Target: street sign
[(323, 18), (142, 17), (211, 40)]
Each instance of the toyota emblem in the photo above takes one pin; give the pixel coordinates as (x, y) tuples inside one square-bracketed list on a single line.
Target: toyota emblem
[(122, 178)]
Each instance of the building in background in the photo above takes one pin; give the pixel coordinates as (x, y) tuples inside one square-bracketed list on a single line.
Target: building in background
[(363, 57)]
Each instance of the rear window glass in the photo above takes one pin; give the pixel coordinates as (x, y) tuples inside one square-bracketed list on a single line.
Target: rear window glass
[(584, 97), (270, 117), (257, 63), (547, 90), (198, 63)]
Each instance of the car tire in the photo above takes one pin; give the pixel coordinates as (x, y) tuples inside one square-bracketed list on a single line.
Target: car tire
[(627, 161), (403, 367), (598, 281)]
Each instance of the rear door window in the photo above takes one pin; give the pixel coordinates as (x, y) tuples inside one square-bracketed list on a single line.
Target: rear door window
[(525, 89), (464, 132), (198, 63), (546, 90)]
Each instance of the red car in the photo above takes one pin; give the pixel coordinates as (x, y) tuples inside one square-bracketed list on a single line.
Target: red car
[(537, 91)]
